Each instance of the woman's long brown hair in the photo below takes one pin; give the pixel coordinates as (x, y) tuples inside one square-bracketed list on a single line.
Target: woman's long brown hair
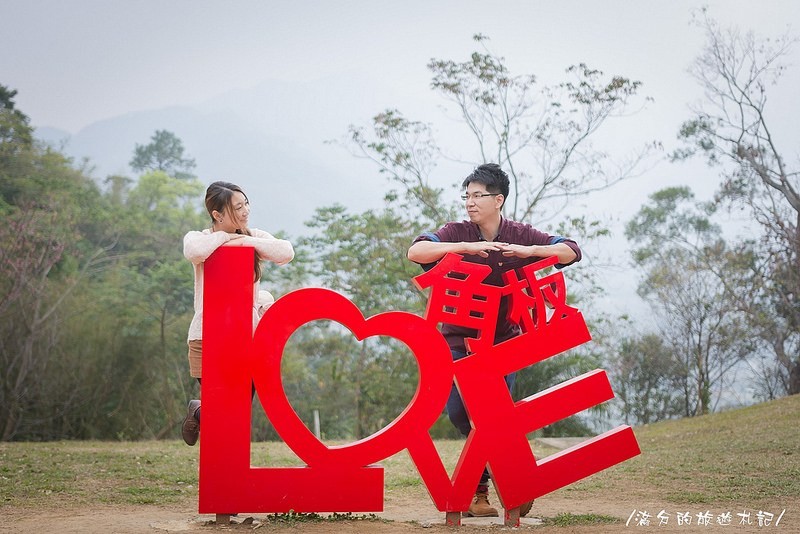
[(219, 197)]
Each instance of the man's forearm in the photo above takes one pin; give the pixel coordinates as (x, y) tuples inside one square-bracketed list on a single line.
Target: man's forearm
[(429, 251), (562, 251)]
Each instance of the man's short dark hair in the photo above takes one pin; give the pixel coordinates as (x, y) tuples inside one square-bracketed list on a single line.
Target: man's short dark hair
[(491, 176)]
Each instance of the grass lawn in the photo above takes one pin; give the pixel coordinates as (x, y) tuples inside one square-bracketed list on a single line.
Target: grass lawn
[(750, 454)]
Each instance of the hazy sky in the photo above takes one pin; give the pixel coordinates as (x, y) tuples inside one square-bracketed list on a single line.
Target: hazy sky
[(79, 61)]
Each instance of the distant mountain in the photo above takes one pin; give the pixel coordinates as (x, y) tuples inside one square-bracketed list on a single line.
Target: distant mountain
[(270, 139)]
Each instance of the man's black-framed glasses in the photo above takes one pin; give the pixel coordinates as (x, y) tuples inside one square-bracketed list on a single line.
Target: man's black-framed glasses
[(478, 196)]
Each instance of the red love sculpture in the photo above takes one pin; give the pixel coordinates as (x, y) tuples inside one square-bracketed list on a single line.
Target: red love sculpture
[(344, 478)]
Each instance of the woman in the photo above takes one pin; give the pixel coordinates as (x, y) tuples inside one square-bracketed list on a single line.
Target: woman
[(229, 210)]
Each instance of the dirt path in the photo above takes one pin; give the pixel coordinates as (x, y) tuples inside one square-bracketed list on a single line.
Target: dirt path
[(409, 511)]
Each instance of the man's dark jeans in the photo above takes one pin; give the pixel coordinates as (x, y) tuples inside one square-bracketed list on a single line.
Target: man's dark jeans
[(458, 413)]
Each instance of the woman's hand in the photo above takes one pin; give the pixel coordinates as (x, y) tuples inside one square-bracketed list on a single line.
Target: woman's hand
[(235, 240)]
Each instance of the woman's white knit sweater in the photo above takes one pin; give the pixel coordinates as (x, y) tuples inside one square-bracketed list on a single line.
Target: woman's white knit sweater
[(199, 245)]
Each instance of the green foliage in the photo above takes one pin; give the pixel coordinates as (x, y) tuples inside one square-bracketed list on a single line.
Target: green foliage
[(51, 245), (670, 220), (363, 256), (687, 267), (357, 387), (164, 153), (16, 134), (647, 380), (551, 372), (95, 299)]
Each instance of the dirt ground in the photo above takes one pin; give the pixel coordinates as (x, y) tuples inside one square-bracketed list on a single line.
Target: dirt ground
[(404, 512)]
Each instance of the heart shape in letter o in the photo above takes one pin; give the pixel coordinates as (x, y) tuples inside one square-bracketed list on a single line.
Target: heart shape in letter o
[(299, 307)]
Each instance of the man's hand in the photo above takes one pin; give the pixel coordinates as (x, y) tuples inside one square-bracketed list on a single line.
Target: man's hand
[(518, 251), (482, 248), (561, 250)]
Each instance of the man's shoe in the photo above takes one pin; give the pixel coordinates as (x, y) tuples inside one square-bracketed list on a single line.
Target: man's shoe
[(480, 506), (191, 426), (524, 508)]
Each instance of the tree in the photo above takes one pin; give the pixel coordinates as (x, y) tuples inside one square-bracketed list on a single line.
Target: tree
[(45, 257), (733, 129), (406, 152), (163, 153), (647, 379), (50, 244), (358, 387), (686, 262), (363, 256), (150, 287), (515, 123), (554, 371), (15, 130), (541, 135), (520, 125), (95, 299), (16, 142)]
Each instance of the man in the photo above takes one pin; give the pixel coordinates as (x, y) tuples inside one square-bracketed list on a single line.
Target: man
[(489, 239)]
